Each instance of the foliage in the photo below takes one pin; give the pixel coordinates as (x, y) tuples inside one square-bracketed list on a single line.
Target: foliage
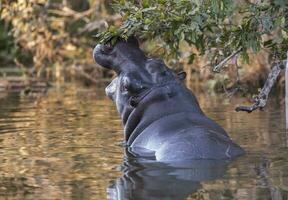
[(6, 43), (214, 27)]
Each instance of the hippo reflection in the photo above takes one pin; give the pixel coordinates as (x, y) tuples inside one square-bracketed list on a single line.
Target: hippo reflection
[(156, 181), (161, 117)]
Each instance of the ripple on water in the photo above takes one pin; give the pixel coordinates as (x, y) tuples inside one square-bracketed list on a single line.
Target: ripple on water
[(66, 145)]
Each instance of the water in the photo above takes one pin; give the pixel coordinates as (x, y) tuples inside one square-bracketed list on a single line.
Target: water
[(67, 145)]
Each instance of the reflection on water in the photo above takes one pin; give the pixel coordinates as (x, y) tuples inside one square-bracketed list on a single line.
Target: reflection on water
[(156, 181), (67, 145)]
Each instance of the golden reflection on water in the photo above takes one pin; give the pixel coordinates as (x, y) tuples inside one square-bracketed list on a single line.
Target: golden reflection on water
[(67, 145)]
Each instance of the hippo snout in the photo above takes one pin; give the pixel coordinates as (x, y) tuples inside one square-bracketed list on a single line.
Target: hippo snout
[(103, 55), (96, 51), (122, 56)]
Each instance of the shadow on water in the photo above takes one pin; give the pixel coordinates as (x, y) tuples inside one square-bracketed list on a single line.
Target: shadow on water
[(66, 144)]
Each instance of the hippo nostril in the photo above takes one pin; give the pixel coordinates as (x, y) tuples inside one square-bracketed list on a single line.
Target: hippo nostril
[(106, 49), (133, 101)]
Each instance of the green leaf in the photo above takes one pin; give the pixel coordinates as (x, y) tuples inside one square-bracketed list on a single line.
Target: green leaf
[(267, 23), (191, 58), (245, 56)]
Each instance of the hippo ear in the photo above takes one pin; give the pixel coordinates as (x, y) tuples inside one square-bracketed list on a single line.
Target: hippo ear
[(133, 40), (155, 65), (133, 85), (182, 75)]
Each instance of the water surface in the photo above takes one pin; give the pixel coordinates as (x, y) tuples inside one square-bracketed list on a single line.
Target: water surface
[(67, 145)]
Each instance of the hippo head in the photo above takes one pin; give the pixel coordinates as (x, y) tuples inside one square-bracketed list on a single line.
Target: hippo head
[(119, 56), (139, 79)]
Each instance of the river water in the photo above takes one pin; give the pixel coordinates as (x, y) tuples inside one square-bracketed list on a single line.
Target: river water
[(67, 144)]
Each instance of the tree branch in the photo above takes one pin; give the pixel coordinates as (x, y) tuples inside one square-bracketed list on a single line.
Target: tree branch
[(236, 86), (286, 97), (223, 62), (84, 74), (261, 99)]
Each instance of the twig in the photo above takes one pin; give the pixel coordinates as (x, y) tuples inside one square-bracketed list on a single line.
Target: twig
[(81, 71), (236, 86), (223, 62), (22, 67), (68, 12), (286, 96), (261, 99), (237, 70), (86, 75)]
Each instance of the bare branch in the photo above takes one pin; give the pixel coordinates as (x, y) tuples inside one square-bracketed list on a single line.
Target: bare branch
[(236, 86), (261, 99), (237, 70), (223, 62), (84, 74), (65, 11)]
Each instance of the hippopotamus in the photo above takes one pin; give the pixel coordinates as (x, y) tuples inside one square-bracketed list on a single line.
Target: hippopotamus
[(161, 116)]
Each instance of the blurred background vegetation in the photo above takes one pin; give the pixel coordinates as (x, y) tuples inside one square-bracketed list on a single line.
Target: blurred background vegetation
[(49, 39), (52, 40)]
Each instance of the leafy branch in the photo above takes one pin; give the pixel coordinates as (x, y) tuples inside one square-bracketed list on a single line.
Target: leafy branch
[(206, 25)]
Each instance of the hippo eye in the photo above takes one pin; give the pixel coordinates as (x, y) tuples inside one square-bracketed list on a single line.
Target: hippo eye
[(107, 48), (124, 88)]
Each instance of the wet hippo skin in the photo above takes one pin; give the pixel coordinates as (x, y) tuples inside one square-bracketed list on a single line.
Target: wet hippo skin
[(161, 117)]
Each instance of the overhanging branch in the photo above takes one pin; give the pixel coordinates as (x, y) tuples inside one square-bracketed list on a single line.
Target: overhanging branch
[(261, 99)]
